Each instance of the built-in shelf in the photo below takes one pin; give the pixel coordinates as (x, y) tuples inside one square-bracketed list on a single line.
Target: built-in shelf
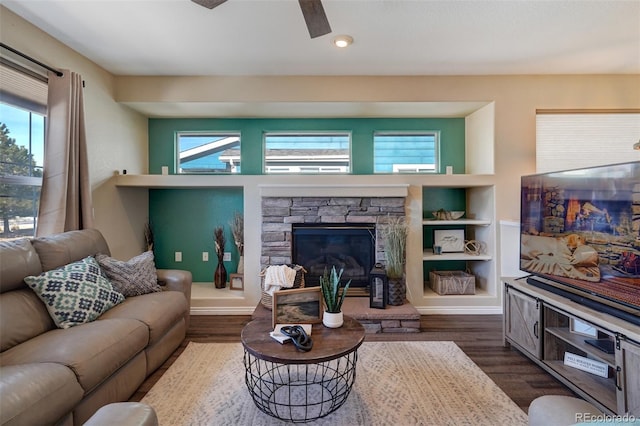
[(179, 181), (460, 222), (479, 294), (429, 256), (394, 183)]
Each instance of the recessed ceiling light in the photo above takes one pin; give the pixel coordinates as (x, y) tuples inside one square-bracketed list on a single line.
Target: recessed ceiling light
[(343, 40)]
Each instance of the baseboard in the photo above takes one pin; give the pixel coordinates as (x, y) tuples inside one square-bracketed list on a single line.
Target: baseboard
[(210, 310), (423, 310), (459, 310)]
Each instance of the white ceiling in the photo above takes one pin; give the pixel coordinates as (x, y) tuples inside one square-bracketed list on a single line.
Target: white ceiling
[(392, 37)]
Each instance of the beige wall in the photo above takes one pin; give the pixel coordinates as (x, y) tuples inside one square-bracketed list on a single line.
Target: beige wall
[(515, 99), (117, 135)]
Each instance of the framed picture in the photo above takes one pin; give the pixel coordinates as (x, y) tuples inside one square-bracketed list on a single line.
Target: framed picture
[(451, 240), (236, 282), (297, 306)]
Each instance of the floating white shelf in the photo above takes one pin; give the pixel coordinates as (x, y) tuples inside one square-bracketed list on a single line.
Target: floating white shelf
[(461, 222), (429, 256)]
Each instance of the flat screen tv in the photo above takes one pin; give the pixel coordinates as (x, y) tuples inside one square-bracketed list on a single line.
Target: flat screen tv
[(580, 236)]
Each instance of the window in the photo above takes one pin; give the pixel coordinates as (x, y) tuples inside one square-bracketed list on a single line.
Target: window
[(23, 99), (400, 152), (575, 140), (208, 152), (307, 152)]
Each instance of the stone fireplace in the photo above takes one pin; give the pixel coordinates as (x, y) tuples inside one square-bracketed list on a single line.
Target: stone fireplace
[(351, 222), (348, 247)]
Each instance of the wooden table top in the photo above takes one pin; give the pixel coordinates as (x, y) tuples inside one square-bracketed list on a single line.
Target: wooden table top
[(328, 343)]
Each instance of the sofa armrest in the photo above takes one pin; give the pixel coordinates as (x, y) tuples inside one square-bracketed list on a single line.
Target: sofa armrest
[(176, 280)]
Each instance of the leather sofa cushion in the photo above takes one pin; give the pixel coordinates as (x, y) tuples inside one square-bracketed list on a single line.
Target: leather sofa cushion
[(61, 249), (22, 316), (34, 394), (17, 260), (94, 351), (159, 311)]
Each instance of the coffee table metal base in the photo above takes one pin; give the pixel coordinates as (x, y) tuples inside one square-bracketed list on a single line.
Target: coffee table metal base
[(300, 393)]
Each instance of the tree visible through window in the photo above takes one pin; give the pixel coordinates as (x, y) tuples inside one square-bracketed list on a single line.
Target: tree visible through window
[(21, 159)]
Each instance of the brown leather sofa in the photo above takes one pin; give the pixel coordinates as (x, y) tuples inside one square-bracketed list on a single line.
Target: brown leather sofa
[(59, 376)]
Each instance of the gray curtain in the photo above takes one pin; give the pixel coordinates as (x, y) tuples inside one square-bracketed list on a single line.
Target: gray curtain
[(65, 200)]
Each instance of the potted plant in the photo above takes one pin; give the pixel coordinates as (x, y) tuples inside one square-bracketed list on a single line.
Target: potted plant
[(330, 286), (394, 235)]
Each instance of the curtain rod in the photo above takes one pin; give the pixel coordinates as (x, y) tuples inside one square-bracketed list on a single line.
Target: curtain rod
[(35, 61)]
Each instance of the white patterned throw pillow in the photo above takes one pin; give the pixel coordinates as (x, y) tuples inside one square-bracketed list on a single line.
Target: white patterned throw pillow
[(76, 293), (134, 277)]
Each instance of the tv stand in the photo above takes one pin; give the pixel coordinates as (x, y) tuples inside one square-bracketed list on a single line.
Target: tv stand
[(553, 330), (584, 301)]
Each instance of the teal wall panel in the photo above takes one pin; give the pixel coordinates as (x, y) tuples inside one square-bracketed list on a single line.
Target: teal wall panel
[(184, 219), (162, 135), (434, 199)]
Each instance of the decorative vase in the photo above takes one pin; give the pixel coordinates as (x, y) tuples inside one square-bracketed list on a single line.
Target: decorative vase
[(241, 265), (220, 275), (397, 291), (332, 319)]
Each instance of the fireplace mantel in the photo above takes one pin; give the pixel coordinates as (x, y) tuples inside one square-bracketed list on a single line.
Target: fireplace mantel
[(342, 190)]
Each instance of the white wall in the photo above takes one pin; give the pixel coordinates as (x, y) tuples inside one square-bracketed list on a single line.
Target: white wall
[(116, 135)]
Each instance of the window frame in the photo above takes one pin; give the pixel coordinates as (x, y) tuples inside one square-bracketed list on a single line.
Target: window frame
[(213, 133), (293, 133), (436, 153), (28, 181)]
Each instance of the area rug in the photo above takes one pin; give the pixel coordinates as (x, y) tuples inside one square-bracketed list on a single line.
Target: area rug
[(397, 383)]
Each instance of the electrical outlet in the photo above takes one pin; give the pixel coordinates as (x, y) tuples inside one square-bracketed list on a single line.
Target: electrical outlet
[(205, 256), (178, 256), (227, 256)]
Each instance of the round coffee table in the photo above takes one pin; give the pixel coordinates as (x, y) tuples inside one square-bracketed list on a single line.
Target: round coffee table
[(301, 386)]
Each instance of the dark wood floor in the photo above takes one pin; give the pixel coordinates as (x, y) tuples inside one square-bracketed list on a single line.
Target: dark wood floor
[(479, 336)]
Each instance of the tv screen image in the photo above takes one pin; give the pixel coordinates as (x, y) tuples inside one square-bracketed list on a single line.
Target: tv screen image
[(580, 233)]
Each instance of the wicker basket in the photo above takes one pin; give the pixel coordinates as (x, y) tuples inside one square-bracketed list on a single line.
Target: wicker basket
[(266, 300), (452, 282)]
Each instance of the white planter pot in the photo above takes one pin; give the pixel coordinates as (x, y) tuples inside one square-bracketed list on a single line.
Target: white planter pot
[(332, 320)]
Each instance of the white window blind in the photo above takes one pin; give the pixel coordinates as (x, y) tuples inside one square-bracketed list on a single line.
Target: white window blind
[(22, 88), (575, 140)]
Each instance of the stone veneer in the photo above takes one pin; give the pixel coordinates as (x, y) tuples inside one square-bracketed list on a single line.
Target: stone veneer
[(280, 213)]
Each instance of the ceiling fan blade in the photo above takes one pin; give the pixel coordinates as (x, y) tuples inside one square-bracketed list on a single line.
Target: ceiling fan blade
[(314, 16), (209, 4)]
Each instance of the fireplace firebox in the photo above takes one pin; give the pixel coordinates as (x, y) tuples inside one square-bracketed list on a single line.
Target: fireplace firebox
[(350, 246)]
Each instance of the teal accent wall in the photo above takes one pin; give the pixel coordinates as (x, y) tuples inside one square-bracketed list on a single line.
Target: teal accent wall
[(434, 199), (184, 220), (162, 135)]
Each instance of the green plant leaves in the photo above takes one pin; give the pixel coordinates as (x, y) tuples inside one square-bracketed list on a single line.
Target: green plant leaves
[(330, 286)]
